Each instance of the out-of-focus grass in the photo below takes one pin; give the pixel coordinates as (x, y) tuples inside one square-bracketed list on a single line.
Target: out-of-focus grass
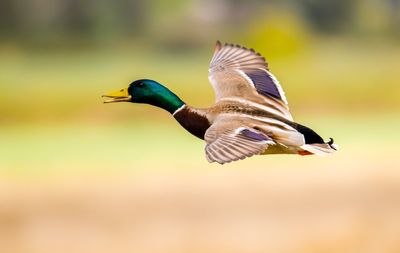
[(53, 118), (336, 76), (65, 85), (39, 150)]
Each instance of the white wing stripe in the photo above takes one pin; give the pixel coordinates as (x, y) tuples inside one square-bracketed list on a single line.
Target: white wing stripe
[(278, 85), (245, 77)]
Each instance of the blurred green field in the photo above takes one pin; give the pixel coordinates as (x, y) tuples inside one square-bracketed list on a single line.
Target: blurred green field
[(345, 76), (40, 150), (53, 118)]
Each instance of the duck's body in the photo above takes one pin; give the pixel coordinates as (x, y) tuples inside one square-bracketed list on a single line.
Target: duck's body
[(250, 116), (289, 136)]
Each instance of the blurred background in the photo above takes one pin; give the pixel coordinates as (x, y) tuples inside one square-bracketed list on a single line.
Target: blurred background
[(80, 176)]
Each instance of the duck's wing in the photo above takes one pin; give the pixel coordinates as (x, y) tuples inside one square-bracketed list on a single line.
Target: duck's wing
[(229, 140), (236, 72)]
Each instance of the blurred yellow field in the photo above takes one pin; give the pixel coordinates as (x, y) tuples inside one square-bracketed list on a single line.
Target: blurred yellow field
[(346, 204)]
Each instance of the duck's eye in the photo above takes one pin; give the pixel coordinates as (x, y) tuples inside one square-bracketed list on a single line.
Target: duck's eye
[(140, 84)]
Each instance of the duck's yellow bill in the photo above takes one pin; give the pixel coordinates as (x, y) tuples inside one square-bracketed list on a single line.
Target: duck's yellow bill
[(121, 95)]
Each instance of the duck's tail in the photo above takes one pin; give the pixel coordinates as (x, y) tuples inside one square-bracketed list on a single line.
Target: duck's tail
[(321, 149)]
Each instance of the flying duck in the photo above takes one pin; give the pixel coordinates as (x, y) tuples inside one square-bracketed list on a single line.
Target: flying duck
[(250, 115)]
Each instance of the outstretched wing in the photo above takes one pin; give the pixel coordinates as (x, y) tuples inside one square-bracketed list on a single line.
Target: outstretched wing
[(229, 141), (236, 71)]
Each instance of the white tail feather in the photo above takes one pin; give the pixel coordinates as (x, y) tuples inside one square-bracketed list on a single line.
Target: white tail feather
[(318, 149)]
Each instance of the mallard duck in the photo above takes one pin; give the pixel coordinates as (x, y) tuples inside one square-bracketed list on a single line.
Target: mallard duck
[(250, 116)]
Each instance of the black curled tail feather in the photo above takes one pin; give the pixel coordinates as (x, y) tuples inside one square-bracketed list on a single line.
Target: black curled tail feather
[(311, 137), (331, 144)]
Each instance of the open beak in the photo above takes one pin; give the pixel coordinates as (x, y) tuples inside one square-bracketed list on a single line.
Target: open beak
[(121, 95)]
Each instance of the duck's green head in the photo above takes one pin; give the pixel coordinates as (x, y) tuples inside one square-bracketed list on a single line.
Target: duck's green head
[(148, 92)]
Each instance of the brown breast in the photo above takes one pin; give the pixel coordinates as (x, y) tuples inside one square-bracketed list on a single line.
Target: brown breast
[(192, 121)]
